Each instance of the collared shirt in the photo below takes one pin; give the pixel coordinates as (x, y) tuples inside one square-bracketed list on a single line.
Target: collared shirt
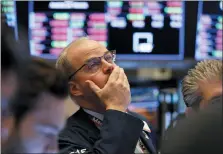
[(97, 118)]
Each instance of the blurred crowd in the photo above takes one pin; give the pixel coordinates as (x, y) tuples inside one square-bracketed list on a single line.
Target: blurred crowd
[(33, 92)]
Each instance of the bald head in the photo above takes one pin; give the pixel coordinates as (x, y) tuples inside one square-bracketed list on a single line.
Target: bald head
[(74, 55), (82, 48)]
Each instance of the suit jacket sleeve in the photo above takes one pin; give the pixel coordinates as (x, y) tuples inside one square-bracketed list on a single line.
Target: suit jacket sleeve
[(119, 134)]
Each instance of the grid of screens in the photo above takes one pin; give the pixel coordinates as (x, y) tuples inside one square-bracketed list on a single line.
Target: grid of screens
[(209, 30), (136, 29), (8, 8)]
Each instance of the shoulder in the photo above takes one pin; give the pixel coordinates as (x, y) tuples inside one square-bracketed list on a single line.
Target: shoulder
[(142, 118), (79, 131), (139, 116), (77, 124), (204, 126)]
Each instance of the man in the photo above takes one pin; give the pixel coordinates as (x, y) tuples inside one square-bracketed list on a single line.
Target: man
[(37, 110), (202, 84), (201, 88), (12, 61), (102, 91), (200, 133)]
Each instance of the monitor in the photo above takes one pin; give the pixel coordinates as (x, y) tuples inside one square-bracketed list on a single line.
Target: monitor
[(8, 9), (209, 30), (144, 30), (144, 101), (138, 30)]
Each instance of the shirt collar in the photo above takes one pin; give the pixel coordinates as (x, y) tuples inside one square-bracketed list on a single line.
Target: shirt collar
[(95, 114)]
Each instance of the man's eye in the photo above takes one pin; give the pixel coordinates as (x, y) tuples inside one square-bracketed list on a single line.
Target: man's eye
[(109, 58), (92, 65)]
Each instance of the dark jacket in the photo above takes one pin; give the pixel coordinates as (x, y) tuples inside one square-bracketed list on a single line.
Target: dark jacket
[(200, 133), (119, 134), (152, 135)]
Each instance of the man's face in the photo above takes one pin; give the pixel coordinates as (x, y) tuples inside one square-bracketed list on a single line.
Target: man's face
[(9, 81), (38, 130), (82, 53), (209, 89)]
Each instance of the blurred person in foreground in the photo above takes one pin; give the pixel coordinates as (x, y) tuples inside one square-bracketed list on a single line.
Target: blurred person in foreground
[(14, 57), (202, 84), (37, 110), (101, 89), (200, 133)]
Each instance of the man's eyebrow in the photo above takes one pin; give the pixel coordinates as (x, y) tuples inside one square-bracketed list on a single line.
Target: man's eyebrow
[(95, 57)]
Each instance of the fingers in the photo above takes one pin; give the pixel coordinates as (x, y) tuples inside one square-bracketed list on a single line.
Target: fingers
[(93, 86), (114, 75), (126, 82), (121, 76)]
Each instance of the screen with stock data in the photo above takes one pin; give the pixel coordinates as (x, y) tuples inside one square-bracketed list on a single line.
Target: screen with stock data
[(209, 30), (144, 100), (8, 8), (136, 29)]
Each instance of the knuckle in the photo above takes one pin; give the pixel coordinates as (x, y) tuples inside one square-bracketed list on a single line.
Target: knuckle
[(120, 84), (112, 84), (128, 90)]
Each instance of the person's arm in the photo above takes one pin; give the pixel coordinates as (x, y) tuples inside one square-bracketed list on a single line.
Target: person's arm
[(119, 134)]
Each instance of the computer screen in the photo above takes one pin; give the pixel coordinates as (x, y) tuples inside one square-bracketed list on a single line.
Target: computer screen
[(138, 30), (209, 30), (144, 101), (8, 10)]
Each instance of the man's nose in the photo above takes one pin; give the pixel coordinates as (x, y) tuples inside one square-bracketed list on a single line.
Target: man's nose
[(107, 67)]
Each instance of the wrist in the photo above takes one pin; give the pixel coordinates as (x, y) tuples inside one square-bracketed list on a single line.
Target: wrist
[(118, 108)]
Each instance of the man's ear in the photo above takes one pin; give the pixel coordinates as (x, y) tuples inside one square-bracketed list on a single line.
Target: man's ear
[(75, 88)]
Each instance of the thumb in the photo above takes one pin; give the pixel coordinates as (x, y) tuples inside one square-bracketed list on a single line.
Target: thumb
[(93, 86)]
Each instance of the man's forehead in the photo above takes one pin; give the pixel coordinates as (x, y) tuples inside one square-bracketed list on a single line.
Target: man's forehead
[(84, 46), (84, 49)]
